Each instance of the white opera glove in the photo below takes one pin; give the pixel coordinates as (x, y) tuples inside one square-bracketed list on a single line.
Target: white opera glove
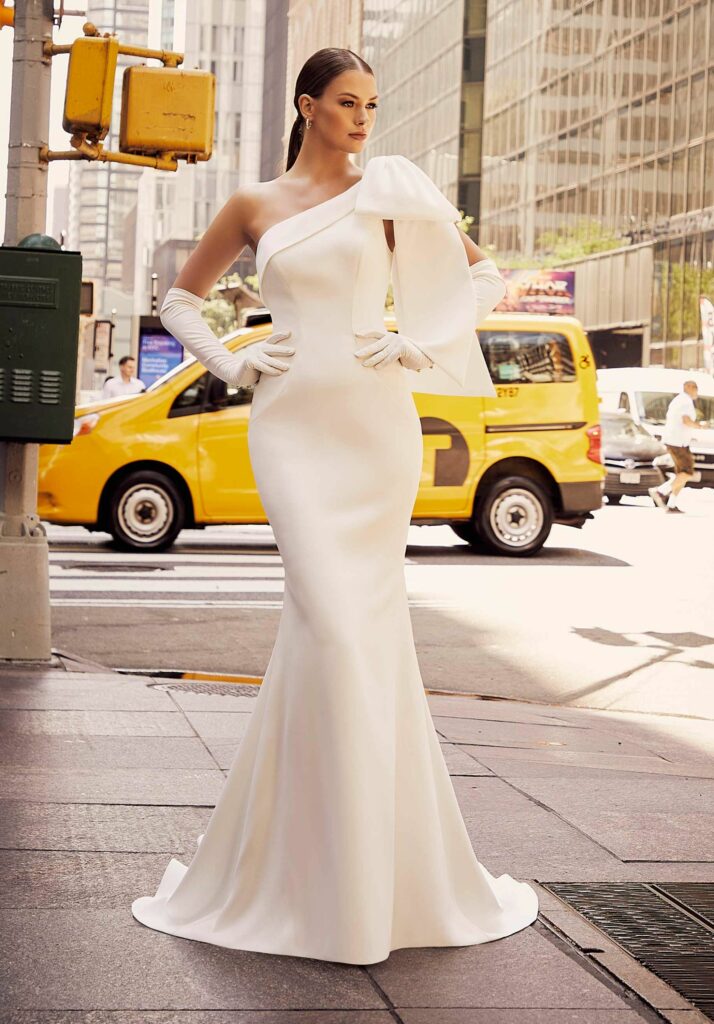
[(388, 347), (181, 316), (489, 287)]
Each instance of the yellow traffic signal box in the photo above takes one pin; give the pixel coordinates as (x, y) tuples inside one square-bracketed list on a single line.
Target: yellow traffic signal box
[(90, 83), (7, 15), (167, 110)]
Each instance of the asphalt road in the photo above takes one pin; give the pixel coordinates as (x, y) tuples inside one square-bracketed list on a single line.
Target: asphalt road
[(617, 615)]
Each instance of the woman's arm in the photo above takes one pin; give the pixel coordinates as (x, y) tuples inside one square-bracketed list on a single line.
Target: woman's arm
[(221, 244), (224, 239), (473, 252), (489, 287)]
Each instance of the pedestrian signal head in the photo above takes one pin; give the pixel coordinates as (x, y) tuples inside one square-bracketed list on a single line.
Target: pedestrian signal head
[(167, 110), (7, 15), (90, 84)]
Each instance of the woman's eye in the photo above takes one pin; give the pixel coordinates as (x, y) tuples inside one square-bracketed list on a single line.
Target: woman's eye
[(375, 105)]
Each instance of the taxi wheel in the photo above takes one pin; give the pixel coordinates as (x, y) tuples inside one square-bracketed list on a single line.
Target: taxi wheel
[(146, 512), (514, 517), (466, 530)]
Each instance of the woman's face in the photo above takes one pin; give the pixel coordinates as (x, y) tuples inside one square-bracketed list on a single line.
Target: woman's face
[(345, 113)]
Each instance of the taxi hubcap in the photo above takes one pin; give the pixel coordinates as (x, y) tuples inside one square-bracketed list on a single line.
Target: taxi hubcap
[(516, 517), (145, 512)]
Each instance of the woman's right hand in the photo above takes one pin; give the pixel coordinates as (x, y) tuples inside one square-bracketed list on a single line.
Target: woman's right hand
[(262, 359)]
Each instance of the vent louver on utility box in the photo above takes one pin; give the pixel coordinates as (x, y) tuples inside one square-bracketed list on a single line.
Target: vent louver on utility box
[(39, 327)]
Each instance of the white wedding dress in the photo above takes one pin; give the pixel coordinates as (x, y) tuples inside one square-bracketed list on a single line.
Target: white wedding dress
[(338, 835)]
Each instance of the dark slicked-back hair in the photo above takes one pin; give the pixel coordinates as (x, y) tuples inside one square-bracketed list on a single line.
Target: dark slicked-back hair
[(315, 75)]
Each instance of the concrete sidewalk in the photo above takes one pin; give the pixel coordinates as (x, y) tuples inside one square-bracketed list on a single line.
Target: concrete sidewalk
[(105, 776)]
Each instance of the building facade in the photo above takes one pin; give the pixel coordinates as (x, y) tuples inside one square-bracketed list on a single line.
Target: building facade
[(275, 56), (177, 206), (428, 57), (599, 117), (101, 194), (313, 24)]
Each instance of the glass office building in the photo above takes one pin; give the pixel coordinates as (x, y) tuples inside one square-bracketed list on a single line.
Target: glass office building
[(599, 114), (429, 60)]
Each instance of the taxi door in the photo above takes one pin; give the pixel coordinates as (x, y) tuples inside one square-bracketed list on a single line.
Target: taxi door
[(544, 375), (454, 451), (227, 485)]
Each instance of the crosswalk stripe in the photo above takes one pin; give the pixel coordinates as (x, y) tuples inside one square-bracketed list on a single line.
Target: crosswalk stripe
[(202, 586), (87, 575), (135, 602), (130, 558), (61, 573)]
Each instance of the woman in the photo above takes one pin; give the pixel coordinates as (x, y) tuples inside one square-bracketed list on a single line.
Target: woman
[(337, 835)]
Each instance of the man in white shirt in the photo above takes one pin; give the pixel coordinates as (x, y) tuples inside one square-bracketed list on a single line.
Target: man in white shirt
[(126, 383), (680, 421)]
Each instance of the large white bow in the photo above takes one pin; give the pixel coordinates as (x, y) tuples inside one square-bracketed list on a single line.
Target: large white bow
[(434, 299)]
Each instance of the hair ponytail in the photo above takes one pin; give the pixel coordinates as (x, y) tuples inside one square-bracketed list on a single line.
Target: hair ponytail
[(295, 141)]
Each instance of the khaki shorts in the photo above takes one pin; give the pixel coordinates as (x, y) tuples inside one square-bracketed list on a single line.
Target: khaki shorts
[(683, 459)]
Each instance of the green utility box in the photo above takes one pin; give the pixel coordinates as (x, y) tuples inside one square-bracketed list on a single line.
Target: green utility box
[(39, 327)]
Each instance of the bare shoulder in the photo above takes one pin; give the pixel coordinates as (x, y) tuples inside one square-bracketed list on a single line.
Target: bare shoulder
[(241, 208), (255, 204)]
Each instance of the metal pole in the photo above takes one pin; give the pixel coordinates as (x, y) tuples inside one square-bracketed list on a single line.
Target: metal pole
[(24, 555)]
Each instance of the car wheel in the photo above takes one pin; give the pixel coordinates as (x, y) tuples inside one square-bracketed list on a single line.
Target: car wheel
[(613, 499), (466, 531), (146, 512), (514, 517)]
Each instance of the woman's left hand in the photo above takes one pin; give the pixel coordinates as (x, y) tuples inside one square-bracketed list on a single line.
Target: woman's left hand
[(388, 348)]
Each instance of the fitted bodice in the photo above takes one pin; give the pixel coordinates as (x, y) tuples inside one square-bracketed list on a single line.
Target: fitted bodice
[(313, 271), (303, 282), (324, 273)]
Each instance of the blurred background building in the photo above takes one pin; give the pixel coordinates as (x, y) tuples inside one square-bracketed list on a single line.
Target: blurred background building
[(175, 208), (599, 121), (102, 194), (429, 59), (575, 135)]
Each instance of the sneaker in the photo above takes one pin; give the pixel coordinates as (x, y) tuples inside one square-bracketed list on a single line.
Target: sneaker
[(656, 497), (673, 508)]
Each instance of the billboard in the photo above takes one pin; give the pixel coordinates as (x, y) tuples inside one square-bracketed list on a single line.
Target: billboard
[(538, 291), (157, 350)]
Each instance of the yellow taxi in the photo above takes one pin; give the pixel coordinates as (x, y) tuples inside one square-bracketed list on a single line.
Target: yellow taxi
[(499, 470)]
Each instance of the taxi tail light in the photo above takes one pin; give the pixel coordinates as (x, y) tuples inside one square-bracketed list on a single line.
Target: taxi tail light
[(594, 435)]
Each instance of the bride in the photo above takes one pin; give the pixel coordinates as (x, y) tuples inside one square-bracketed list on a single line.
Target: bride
[(337, 835)]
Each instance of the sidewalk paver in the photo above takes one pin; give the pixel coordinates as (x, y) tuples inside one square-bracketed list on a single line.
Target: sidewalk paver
[(104, 776)]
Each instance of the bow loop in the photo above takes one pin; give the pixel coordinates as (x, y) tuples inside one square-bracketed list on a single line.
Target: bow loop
[(394, 187)]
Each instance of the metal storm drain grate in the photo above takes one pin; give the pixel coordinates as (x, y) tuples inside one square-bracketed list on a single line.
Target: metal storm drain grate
[(220, 689), (669, 928)]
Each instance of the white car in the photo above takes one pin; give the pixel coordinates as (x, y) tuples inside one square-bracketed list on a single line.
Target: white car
[(646, 391)]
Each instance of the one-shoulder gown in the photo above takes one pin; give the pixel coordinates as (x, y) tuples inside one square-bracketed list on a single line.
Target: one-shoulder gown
[(337, 834)]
